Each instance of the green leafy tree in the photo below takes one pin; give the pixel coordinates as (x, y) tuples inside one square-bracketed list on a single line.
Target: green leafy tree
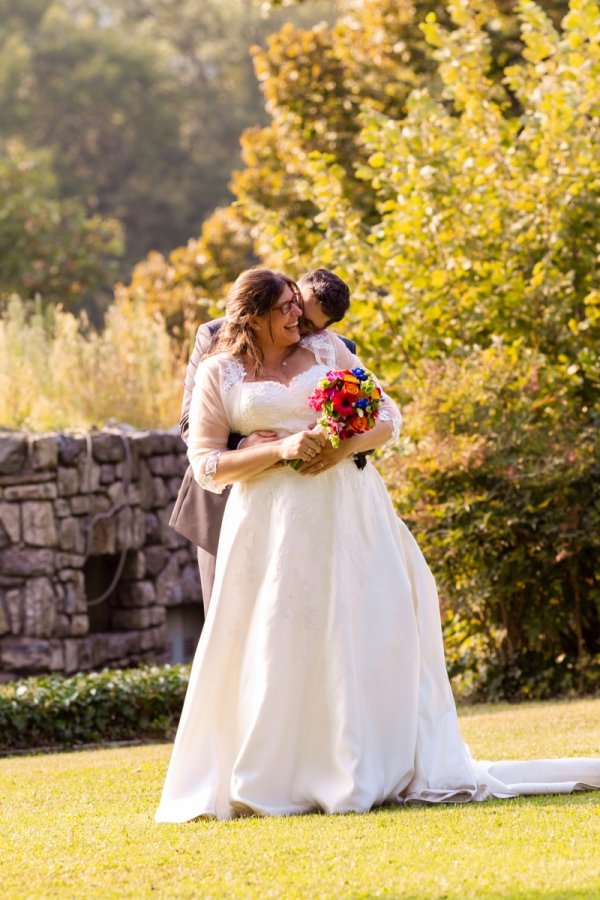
[(50, 247), (141, 102), (477, 294)]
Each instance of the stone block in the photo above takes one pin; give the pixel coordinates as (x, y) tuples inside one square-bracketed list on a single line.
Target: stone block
[(138, 537), (152, 528), (160, 636), (103, 537), (13, 452), (167, 465), (39, 529), (57, 656), (169, 591), (71, 650), (136, 593), (147, 639), (124, 520), (13, 605), (80, 625), (10, 519), (156, 558), (126, 619), (26, 562), (107, 447), (89, 653), (71, 535), (146, 486), (161, 494), (100, 503), (89, 475), (166, 442), (61, 508), (135, 565), (190, 584), (107, 473), (173, 485), (68, 481), (40, 607), (26, 654), (69, 561), (133, 495), (74, 599), (116, 494), (158, 615), (4, 617), (69, 448), (168, 536), (43, 452), (39, 490), (81, 505), (62, 626), (140, 443)]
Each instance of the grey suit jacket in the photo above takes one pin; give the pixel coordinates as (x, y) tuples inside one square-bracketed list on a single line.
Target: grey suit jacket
[(198, 514)]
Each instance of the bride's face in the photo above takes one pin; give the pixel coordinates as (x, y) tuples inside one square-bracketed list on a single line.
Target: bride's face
[(279, 327)]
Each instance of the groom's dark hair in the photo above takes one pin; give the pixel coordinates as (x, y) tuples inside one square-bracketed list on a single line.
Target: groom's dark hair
[(329, 291)]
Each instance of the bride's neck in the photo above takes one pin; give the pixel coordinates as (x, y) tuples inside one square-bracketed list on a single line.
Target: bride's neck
[(275, 358)]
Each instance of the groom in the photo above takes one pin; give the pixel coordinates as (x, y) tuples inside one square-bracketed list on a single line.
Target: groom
[(198, 513)]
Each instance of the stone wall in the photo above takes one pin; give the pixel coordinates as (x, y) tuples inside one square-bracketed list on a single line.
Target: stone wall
[(78, 511)]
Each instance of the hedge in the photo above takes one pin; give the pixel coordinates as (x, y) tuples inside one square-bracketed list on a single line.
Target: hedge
[(112, 705)]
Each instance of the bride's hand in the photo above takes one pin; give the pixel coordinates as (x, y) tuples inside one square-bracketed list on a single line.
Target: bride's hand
[(304, 445), (328, 457)]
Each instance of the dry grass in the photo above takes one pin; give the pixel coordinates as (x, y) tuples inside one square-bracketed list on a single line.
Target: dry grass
[(57, 373)]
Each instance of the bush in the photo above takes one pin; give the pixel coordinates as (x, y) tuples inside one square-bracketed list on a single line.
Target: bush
[(498, 476), (113, 705), (58, 373)]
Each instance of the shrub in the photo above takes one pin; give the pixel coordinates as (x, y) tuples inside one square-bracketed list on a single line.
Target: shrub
[(58, 373), (113, 705)]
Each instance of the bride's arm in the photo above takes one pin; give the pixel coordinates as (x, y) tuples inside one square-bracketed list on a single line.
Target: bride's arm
[(387, 425), (213, 465)]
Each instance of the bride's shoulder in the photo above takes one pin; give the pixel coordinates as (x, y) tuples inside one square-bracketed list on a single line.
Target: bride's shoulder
[(223, 366), (321, 344)]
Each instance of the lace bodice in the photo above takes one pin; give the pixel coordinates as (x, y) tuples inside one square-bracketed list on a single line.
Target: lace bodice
[(271, 406), (225, 401)]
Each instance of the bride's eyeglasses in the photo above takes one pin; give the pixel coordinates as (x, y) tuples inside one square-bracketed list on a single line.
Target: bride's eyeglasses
[(286, 307)]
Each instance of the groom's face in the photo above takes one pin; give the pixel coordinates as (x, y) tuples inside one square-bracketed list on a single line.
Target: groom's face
[(313, 318)]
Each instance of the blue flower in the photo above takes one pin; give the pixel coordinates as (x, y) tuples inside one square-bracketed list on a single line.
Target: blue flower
[(360, 374), (363, 403)]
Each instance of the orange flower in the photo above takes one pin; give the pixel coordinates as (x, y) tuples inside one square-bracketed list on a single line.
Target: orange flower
[(359, 423), (350, 390), (349, 378)]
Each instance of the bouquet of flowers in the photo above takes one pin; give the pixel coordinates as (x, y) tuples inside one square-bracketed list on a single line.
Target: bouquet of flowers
[(348, 401)]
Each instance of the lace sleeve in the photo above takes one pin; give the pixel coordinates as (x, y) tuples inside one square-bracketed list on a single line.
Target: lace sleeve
[(209, 428), (344, 359)]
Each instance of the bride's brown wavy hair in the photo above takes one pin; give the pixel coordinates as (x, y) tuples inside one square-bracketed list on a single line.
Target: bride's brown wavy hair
[(254, 293)]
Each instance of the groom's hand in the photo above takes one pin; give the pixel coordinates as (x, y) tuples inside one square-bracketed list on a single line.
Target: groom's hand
[(328, 457), (258, 437)]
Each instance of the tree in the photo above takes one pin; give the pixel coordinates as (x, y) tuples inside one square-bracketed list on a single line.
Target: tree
[(476, 292), (141, 103), (49, 247)]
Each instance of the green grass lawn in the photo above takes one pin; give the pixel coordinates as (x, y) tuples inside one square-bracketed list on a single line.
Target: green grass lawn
[(81, 825)]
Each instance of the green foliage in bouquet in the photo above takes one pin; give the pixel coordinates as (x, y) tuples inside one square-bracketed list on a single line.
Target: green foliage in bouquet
[(113, 705)]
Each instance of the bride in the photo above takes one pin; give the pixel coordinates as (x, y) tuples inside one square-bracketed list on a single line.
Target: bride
[(319, 680)]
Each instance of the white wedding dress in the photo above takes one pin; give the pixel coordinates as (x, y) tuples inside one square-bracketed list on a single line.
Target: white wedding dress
[(319, 680)]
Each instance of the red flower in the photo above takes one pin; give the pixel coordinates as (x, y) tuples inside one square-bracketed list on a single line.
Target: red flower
[(343, 405)]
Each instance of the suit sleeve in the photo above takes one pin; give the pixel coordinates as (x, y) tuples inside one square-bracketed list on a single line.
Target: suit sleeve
[(201, 345)]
